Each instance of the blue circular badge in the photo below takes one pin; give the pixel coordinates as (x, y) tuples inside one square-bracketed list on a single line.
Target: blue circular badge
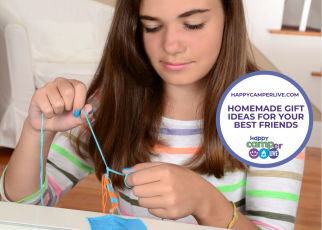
[(263, 153), (264, 111), (273, 153)]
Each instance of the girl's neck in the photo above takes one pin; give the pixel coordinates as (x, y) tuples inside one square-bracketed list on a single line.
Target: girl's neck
[(184, 102)]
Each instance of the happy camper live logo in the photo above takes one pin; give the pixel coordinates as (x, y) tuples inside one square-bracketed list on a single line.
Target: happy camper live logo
[(262, 147)]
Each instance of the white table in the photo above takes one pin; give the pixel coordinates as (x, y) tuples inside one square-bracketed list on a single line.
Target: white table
[(15, 216)]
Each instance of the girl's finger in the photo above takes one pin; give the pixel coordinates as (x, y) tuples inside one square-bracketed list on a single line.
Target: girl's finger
[(170, 214), (148, 190), (79, 96), (43, 103), (67, 92), (54, 98), (89, 112), (159, 212), (152, 202), (145, 176), (142, 166)]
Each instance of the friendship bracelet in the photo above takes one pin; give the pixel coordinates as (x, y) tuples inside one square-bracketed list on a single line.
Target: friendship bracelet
[(235, 216)]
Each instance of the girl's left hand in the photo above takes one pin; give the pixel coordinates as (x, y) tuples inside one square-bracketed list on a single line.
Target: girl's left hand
[(171, 191)]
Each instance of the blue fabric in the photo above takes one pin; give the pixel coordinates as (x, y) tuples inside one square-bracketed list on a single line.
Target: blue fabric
[(115, 223)]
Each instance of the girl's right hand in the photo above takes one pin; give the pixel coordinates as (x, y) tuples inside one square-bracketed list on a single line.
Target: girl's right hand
[(62, 103)]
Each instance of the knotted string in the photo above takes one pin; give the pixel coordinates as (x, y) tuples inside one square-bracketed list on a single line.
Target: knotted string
[(106, 182)]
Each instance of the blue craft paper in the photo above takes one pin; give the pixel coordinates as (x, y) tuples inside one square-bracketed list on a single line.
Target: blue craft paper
[(112, 222)]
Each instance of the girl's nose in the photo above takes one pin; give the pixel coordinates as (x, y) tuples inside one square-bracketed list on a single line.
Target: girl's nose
[(172, 41)]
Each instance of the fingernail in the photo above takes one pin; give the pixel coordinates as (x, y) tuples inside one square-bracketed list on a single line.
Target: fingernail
[(76, 113), (91, 110), (126, 168)]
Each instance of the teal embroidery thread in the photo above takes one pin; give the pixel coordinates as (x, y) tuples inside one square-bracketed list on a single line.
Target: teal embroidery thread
[(110, 188), (99, 148), (41, 158)]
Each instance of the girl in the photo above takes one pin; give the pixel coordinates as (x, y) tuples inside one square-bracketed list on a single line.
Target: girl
[(154, 96)]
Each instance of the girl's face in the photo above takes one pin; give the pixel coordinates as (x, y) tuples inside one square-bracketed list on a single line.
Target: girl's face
[(186, 32)]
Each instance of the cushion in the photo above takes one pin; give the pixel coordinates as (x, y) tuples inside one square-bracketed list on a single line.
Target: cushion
[(63, 41), (63, 31), (48, 72)]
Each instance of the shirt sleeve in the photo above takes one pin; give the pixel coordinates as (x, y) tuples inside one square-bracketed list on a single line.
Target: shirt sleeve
[(64, 169), (272, 194)]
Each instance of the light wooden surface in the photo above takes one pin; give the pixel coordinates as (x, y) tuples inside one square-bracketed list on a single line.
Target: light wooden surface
[(309, 209), (317, 74), (86, 195), (294, 32)]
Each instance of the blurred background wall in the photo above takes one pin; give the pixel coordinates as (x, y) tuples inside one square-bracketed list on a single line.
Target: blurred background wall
[(293, 12), (273, 27), (107, 2)]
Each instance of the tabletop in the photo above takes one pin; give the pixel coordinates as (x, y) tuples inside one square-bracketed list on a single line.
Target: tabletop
[(14, 216)]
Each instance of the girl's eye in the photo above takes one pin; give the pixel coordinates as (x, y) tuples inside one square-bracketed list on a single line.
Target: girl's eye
[(152, 30), (195, 27), (191, 27)]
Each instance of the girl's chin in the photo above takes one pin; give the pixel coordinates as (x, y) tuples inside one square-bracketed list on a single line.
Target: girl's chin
[(179, 82)]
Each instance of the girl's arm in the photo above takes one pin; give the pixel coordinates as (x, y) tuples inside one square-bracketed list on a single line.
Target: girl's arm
[(61, 103), (219, 212), (64, 168), (22, 175)]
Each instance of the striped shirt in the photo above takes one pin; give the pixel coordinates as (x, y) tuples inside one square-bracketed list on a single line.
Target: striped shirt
[(266, 196)]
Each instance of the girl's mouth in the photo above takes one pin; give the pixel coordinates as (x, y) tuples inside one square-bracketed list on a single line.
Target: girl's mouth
[(175, 66)]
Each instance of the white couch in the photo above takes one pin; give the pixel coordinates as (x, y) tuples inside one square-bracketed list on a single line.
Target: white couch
[(41, 40)]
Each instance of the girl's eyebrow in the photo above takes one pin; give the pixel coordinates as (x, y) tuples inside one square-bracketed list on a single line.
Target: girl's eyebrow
[(183, 15)]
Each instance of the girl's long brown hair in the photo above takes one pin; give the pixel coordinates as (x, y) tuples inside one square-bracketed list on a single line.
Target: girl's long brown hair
[(131, 104)]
